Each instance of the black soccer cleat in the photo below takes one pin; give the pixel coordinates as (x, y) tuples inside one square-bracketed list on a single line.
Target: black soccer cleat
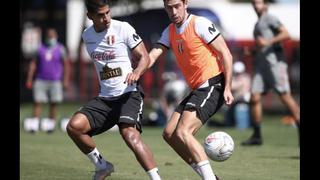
[(252, 141), (50, 131), (217, 178)]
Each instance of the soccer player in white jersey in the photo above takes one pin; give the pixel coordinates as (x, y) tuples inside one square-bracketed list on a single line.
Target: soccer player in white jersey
[(120, 102)]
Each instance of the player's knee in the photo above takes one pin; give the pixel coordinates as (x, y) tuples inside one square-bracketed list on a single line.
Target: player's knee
[(181, 134), (131, 136), (75, 126), (71, 127)]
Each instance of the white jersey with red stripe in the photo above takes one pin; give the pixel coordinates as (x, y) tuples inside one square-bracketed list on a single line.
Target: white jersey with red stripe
[(110, 50)]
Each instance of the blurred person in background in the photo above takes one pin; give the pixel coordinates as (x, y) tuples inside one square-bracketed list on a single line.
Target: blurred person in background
[(47, 76), (206, 63), (110, 43), (238, 113), (30, 40), (270, 69), (173, 92)]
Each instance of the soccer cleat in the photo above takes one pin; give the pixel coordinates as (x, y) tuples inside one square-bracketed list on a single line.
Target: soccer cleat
[(48, 125), (103, 173), (252, 141), (31, 125)]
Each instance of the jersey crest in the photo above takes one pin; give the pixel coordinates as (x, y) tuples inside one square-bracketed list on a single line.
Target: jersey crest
[(110, 40), (180, 45)]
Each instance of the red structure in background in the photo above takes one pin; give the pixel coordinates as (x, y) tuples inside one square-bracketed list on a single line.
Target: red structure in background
[(245, 54), (247, 47), (153, 83)]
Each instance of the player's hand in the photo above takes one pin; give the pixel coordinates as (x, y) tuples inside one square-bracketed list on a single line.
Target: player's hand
[(262, 42), (29, 84), (132, 78), (228, 97)]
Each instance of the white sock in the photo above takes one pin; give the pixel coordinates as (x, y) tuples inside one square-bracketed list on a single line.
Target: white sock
[(196, 169), (97, 159), (206, 171), (154, 174)]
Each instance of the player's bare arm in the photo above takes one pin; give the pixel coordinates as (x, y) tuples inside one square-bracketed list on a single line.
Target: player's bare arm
[(155, 53), (141, 53), (283, 35), (221, 48), (31, 72), (66, 73)]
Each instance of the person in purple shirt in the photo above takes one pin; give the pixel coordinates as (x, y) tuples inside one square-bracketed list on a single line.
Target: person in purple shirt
[(47, 76)]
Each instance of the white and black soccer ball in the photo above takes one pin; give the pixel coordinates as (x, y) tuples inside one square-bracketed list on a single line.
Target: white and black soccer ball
[(219, 146)]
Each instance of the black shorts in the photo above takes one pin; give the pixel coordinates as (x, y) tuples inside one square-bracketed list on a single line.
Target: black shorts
[(104, 113), (205, 101)]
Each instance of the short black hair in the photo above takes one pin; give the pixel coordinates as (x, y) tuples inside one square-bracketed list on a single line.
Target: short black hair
[(184, 1), (93, 5), (267, 1)]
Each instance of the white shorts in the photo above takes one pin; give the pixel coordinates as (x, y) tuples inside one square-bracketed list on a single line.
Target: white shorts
[(44, 90)]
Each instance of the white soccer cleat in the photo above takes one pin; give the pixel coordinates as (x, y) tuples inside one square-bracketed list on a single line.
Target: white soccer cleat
[(31, 125), (35, 124), (44, 124), (48, 125), (27, 125), (103, 173)]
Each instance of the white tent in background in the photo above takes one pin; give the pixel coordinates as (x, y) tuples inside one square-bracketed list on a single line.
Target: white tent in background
[(237, 19), (75, 19)]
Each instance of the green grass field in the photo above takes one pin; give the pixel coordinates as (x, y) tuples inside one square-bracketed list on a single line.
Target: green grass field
[(55, 157)]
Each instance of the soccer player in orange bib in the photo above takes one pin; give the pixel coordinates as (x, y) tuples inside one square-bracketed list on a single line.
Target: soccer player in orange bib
[(206, 63)]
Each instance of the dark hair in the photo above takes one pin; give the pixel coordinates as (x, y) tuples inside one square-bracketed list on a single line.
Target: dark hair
[(93, 5), (184, 1), (266, 1)]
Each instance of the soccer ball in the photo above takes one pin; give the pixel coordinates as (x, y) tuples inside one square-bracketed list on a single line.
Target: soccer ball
[(219, 146)]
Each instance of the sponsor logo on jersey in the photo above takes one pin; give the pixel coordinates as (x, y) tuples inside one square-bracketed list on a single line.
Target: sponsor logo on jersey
[(211, 29), (110, 40), (100, 56), (108, 73), (135, 37)]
